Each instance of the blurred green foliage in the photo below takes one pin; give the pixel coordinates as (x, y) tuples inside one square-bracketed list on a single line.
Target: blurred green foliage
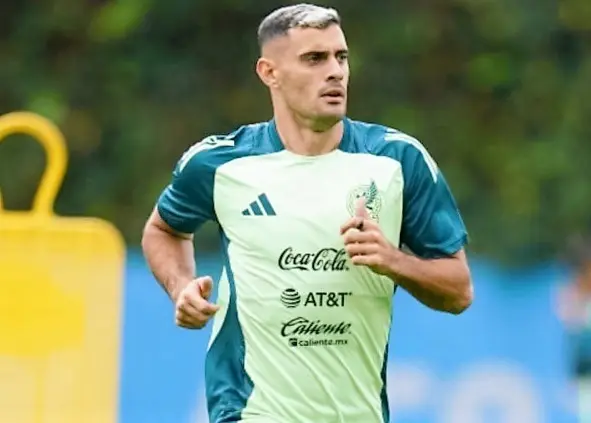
[(498, 90)]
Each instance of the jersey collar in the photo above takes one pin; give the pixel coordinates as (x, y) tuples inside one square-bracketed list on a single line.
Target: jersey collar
[(345, 144)]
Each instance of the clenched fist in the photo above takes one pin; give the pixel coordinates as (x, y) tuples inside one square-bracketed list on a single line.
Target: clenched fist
[(365, 243), (193, 309)]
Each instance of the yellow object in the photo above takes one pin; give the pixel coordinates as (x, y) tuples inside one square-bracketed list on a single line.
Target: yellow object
[(60, 301)]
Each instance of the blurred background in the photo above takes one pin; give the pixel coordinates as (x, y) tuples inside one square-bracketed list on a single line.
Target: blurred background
[(498, 91)]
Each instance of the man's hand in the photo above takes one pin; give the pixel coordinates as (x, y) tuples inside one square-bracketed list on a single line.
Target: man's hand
[(365, 243), (193, 310)]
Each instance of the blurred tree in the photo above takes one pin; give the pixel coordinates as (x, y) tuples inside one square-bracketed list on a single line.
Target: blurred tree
[(497, 90)]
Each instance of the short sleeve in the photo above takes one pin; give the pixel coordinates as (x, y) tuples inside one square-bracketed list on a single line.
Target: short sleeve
[(187, 202), (432, 226)]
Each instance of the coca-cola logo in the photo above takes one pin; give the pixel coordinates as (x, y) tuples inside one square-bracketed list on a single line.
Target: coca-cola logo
[(302, 326), (323, 260)]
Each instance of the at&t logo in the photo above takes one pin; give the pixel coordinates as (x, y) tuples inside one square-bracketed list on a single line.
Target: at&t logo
[(291, 298)]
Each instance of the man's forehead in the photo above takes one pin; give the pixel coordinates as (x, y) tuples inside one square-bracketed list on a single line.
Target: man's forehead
[(313, 39), (299, 41)]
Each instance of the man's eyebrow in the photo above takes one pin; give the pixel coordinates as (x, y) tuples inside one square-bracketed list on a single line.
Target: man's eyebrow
[(314, 52), (322, 52)]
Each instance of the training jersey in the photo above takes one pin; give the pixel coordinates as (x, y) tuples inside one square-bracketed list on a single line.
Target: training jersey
[(302, 334)]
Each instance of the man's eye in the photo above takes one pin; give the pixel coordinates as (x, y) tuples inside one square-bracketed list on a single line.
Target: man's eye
[(315, 57)]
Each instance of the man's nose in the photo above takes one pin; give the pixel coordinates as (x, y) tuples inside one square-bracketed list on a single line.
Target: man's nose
[(336, 70)]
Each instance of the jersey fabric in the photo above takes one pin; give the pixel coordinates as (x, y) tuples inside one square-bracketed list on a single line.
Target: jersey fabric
[(302, 334)]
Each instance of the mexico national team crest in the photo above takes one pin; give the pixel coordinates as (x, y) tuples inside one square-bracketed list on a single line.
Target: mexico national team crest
[(373, 199)]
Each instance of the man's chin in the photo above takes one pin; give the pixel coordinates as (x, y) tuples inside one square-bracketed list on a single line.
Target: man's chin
[(324, 122), (330, 118)]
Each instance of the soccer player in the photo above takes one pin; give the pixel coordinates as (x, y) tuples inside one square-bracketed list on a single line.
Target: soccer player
[(313, 209)]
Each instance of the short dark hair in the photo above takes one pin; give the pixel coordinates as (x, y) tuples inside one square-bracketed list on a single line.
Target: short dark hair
[(302, 15)]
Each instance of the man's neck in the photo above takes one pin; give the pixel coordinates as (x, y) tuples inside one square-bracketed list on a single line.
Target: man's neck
[(301, 139)]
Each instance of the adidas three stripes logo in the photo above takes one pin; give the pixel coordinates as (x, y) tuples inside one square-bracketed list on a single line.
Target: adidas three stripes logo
[(260, 207)]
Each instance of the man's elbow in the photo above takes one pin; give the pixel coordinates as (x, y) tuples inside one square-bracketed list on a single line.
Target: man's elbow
[(146, 236), (152, 232), (149, 237), (156, 231), (463, 300)]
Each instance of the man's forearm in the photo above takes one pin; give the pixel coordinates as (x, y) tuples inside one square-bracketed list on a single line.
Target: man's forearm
[(170, 258), (441, 284)]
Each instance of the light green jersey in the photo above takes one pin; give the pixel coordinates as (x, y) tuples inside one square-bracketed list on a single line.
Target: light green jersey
[(302, 334)]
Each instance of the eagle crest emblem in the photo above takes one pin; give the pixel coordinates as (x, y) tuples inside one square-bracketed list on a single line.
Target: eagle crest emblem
[(373, 199)]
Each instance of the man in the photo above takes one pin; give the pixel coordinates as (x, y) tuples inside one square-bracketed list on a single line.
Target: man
[(311, 207)]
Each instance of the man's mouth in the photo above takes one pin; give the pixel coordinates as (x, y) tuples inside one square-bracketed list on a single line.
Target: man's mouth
[(334, 94)]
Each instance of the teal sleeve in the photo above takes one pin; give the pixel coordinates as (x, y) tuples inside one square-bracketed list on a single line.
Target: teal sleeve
[(187, 202), (432, 226)]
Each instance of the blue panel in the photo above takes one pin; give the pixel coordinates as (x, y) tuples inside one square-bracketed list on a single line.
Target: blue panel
[(384, 393), (228, 385)]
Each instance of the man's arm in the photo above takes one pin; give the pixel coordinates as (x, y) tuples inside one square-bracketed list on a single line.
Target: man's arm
[(432, 228), (169, 254), (442, 284), (183, 206), (167, 241)]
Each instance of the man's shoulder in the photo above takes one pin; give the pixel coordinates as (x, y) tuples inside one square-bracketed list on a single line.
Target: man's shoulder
[(214, 150), (384, 140), (378, 138)]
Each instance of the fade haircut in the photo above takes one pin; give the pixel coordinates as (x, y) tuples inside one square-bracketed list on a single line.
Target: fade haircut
[(302, 15)]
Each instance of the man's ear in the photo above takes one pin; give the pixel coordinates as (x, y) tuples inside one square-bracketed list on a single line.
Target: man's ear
[(267, 72)]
